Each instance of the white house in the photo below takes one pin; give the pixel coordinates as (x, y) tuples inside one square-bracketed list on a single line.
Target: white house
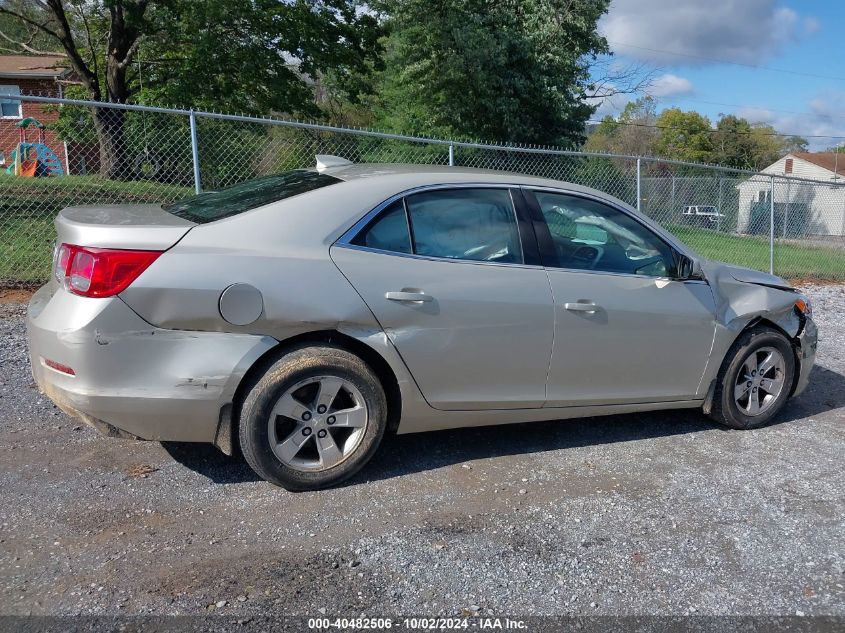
[(822, 201)]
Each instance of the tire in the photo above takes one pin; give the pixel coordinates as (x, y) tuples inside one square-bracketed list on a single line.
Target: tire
[(294, 450), (736, 377)]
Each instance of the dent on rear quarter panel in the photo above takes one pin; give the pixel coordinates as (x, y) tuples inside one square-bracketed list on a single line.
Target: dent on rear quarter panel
[(283, 251)]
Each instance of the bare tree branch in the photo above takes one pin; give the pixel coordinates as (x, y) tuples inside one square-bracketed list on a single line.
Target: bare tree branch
[(25, 46), (65, 35), (610, 79), (30, 21), (89, 40)]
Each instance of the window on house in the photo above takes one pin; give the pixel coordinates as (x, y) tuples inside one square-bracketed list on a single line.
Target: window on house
[(10, 108), (788, 166), (764, 196)]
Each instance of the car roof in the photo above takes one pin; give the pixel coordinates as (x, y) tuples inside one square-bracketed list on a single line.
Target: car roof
[(363, 187), (395, 178), (408, 176)]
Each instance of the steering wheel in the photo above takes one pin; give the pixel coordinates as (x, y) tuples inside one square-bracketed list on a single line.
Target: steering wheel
[(586, 257), (645, 263)]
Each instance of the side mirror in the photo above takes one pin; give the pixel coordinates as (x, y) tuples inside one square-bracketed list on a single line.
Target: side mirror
[(688, 268)]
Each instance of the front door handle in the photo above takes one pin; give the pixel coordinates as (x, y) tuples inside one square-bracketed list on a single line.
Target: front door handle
[(411, 297), (582, 306)]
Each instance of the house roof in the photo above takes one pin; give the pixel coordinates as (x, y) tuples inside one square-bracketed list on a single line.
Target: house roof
[(41, 67), (831, 161)]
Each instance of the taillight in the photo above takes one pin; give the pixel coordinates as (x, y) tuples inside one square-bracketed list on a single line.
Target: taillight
[(63, 252), (100, 272)]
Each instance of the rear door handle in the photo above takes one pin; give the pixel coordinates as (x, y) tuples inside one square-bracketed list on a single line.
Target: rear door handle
[(581, 306), (411, 297)]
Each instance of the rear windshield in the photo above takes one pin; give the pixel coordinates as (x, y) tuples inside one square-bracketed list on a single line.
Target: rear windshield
[(215, 205)]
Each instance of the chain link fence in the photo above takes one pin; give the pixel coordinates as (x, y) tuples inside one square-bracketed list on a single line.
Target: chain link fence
[(95, 154)]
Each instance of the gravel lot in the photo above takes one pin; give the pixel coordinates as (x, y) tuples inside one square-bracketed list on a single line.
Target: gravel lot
[(659, 513)]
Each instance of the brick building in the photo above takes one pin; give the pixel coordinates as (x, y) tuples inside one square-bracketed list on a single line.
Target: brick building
[(40, 76)]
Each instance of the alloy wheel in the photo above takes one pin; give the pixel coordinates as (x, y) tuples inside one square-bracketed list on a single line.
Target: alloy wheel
[(760, 381), (317, 423)]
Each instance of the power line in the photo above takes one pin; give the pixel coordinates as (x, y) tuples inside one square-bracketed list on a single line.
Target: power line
[(712, 131), (753, 107), (725, 61)]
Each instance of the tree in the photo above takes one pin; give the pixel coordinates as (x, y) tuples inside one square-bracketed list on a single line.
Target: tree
[(633, 133), (18, 38), (684, 136), (768, 145), (515, 70), (260, 55), (274, 56), (791, 144), (102, 73)]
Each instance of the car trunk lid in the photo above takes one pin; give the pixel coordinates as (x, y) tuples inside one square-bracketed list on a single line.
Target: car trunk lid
[(130, 226)]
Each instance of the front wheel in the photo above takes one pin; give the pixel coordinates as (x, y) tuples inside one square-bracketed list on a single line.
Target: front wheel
[(755, 380), (314, 419)]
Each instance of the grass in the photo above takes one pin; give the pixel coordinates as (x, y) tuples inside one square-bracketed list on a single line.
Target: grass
[(28, 207), (25, 250), (792, 260)]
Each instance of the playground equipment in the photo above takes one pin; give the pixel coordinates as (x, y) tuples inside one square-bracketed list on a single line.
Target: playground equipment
[(33, 159)]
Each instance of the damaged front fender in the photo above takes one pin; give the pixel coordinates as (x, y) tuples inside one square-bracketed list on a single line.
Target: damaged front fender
[(743, 298)]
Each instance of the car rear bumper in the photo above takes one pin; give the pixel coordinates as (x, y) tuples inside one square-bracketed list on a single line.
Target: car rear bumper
[(807, 340), (131, 378)]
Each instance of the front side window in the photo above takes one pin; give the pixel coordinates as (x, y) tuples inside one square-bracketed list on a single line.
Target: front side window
[(589, 235), (472, 224), (10, 108)]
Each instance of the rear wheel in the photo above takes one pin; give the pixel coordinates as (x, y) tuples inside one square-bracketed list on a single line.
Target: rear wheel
[(755, 380), (314, 419)]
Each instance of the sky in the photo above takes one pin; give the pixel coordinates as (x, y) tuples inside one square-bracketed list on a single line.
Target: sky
[(781, 63)]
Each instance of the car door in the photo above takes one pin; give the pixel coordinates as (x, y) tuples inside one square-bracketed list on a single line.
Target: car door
[(625, 330), (454, 278)]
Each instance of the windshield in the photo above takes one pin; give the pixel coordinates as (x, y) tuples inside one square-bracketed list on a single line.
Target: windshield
[(215, 205)]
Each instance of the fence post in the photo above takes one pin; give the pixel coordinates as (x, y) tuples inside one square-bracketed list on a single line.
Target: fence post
[(195, 152), (673, 210), (721, 203), (639, 184), (772, 228), (786, 208), (451, 155)]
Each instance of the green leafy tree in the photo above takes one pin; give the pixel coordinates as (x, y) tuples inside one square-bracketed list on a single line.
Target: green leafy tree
[(515, 70), (794, 144), (684, 136), (633, 133), (257, 55), (768, 145)]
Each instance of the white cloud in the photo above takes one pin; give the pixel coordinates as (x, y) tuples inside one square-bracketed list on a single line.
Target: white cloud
[(668, 85), (748, 31), (811, 25), (823, 117), (610, 105)]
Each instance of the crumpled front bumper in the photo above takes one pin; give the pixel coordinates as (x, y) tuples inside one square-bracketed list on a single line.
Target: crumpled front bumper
[(133, 379), (807, 341)]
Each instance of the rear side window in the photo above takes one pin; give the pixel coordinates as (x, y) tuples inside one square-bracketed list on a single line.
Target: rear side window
[(474, 224), (389, 232), (216, 205)]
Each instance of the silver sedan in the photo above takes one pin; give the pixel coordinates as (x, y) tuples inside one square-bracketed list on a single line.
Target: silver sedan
[(300, 316)]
